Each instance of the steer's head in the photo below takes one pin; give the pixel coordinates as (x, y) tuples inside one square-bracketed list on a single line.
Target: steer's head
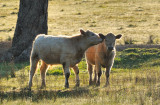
[(92, 38), (110, 40)]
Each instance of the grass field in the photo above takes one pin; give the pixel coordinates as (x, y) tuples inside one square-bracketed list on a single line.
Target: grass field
[(134, 80), (135, 76)]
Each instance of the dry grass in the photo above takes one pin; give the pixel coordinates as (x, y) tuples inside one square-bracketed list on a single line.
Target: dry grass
[(132, 18), (8, 17)]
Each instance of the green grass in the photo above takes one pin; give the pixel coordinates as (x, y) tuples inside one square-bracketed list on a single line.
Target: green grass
[(137, 83), (137, 57)]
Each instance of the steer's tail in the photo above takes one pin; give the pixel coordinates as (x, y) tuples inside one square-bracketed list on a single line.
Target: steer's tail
[(33, 65)]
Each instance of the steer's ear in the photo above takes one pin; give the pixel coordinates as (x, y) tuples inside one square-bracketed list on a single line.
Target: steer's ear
[(118, 36), (82, 32), (101, 36)]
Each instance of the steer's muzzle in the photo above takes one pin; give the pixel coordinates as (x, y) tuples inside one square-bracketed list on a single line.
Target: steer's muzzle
[(110, 48)]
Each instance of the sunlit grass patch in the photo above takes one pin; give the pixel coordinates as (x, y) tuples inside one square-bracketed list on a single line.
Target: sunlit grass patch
[(136, 57)]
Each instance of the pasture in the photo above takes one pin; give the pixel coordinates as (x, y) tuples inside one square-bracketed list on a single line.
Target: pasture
[(134, 82), (135, 76)]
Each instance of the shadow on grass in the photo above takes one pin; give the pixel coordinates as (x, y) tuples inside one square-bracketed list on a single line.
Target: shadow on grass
[(39, 95)]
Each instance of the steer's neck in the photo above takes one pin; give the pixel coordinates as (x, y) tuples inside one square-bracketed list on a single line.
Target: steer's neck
[(79, 42), (84, 45)]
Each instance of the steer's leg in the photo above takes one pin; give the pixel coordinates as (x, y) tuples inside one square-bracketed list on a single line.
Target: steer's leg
[(43, 70), (108, 69), (76, 70), (95, 75), (67, 74), (99, 72), (33, 66), (90, 70)]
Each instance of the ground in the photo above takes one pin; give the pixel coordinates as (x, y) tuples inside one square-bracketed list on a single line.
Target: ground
[(134, 79), (135, 76)]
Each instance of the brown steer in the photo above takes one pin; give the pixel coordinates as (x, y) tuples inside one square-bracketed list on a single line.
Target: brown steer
[(101, 55)]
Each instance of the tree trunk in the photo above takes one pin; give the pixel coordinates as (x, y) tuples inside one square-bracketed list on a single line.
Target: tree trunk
[(32, 20)]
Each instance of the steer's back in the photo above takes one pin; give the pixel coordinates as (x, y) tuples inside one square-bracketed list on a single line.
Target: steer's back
[(50, 48)]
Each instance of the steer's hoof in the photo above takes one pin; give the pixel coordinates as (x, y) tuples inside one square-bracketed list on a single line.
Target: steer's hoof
[(106, 85), (30, 85), (43, 87), (77, 85), (98, 84), (66, 85), (27, 88), (91, 83)]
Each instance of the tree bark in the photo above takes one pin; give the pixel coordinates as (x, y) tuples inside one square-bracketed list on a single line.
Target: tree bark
[(32, 20)]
